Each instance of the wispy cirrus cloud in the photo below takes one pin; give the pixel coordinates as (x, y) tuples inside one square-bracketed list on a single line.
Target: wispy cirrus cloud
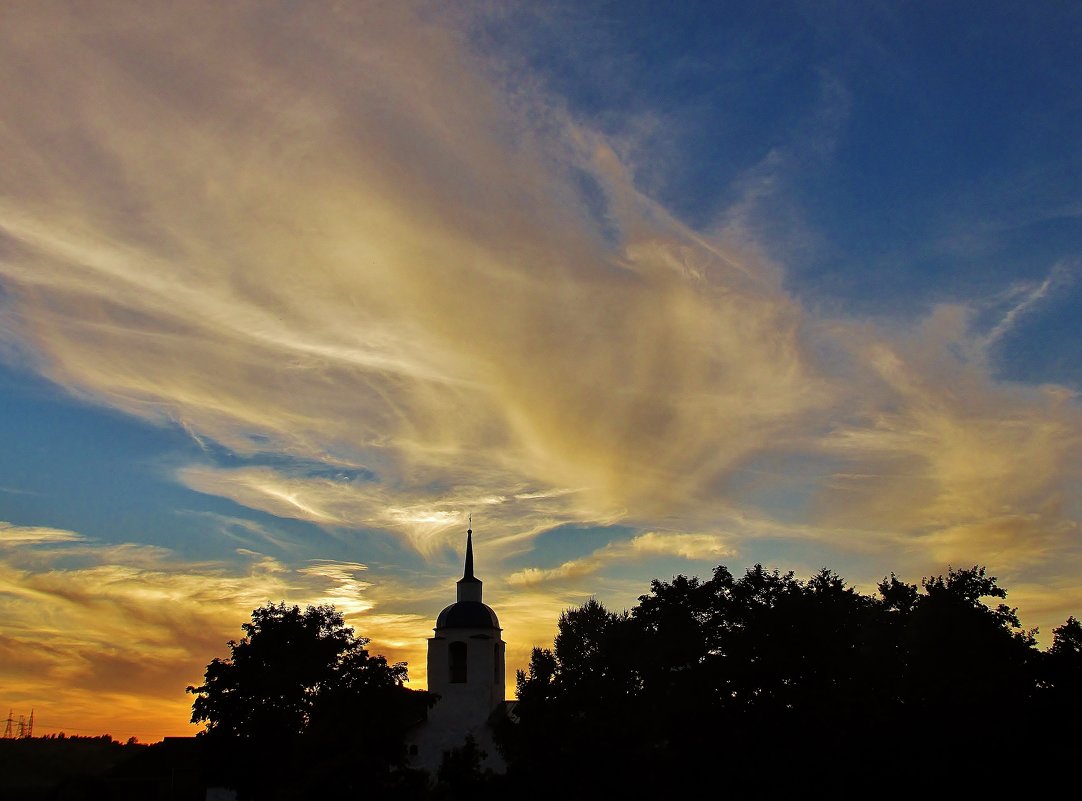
[(370, 276), (425, 516), (12, 535), (1024, 299), (940, 442), (696, 547), (400, 283)]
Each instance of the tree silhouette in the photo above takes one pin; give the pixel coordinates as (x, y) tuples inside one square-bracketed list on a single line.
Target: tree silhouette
[(962, 652), (300, 707), (460, 775), (766, 670), (580, 693), (1063, 685)]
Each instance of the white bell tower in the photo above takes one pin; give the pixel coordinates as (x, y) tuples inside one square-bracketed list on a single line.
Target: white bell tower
[(466, 671)]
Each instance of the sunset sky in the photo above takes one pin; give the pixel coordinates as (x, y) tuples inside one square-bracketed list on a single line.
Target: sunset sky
[(289, 289)]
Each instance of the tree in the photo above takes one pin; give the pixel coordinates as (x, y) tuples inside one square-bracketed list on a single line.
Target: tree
[(1063, 674), (576, 705), (766, 669), (300, 702), (964, 653), (1067, 639)]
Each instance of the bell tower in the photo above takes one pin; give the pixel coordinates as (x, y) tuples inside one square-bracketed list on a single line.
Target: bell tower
[(466, 670), (466, 655)]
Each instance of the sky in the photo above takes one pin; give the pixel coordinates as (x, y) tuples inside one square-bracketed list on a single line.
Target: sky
[(289, 290)]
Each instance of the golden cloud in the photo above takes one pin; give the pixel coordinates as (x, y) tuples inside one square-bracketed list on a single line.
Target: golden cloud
[(426, 517), (391, 274), (109, 636), (652, 543), (11, 535)]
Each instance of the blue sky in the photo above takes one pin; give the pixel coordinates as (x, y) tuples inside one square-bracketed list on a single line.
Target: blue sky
[(288, 291)]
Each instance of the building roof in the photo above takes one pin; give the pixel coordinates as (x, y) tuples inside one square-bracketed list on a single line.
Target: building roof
[(467, 615)]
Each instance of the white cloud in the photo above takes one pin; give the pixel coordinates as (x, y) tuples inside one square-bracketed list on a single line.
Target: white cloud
[(1029, 297)]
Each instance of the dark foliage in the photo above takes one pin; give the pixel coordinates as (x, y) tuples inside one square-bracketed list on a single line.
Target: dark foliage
[(460, 775), (300, 709), (747, 679), (61, 766), (1062, 690)]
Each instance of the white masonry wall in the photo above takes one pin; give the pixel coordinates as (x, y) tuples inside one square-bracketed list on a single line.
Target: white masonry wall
[(463, 708)]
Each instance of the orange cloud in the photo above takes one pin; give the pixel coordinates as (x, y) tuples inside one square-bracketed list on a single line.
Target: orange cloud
[(105, 638)]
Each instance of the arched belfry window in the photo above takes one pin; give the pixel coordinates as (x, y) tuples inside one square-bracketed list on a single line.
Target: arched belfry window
[(457, 654)]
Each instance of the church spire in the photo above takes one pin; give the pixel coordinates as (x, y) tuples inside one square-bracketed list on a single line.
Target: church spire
[(467, 572), (469, 586)]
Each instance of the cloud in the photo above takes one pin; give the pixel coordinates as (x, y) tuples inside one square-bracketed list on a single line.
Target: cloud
[(1026, 298), (394, 273), (425, 516), (347, 592), (108, 636), (939, 442), (11, 535), (373, 257), (652, 543)]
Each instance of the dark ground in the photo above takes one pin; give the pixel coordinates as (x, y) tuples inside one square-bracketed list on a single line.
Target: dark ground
[(99, 769)]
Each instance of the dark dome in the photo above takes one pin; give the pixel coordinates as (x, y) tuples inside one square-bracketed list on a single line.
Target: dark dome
[(467, 615)]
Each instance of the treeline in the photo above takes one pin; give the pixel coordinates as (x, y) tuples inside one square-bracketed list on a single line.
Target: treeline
[(762, 683), (107, 738), (769, 681)]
